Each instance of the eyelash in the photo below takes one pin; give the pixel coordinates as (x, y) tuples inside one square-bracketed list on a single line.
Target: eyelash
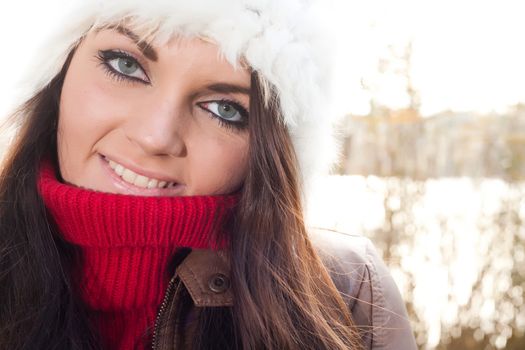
[(104, 56)]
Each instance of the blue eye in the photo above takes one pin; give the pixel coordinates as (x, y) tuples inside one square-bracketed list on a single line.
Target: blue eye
[(229, 113), (224, 110), (123, 65)]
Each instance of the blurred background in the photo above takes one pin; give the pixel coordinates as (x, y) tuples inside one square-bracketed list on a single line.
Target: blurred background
[(432, 95), (433, 163)]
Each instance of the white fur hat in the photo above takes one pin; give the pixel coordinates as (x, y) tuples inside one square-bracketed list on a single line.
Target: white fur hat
[(288, 42)]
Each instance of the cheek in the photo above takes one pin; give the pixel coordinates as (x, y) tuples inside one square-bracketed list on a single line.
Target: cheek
[(85, 104), (218, 168)]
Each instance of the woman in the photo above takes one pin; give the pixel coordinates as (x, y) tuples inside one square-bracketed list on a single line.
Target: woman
[(152, 196)]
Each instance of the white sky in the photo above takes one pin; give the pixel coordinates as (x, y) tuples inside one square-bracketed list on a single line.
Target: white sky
[(468, 55)]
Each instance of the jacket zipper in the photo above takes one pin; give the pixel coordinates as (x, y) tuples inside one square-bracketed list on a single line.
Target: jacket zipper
[(162, 310)]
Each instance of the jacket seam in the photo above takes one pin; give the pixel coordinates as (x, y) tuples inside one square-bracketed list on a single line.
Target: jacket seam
[(379, 317)]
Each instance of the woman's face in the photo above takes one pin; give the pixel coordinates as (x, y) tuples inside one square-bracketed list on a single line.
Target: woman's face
[(153, 121)]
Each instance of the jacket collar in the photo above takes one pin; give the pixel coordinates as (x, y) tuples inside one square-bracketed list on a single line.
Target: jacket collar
[(206, 275)]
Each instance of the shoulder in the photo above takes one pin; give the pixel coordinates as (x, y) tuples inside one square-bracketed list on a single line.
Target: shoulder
[(369, 290)]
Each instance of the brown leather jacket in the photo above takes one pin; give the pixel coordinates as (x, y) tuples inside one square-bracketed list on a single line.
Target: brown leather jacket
[(356, 269)]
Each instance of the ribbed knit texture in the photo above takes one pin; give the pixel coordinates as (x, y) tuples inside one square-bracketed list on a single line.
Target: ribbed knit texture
[(127, 242)]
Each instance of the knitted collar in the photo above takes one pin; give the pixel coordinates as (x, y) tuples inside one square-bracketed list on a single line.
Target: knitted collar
[(126, 244), (96, 219)]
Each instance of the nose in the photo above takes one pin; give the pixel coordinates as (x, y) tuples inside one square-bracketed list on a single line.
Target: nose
[(158, 128)]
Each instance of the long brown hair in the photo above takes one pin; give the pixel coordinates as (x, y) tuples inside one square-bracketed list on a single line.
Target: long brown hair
[(284, 297), (38, 307)]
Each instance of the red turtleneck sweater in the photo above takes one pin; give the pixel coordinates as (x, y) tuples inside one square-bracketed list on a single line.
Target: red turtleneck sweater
[(126, 243)]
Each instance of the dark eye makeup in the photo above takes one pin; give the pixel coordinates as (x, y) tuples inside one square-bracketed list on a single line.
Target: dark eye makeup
[(106, 56)]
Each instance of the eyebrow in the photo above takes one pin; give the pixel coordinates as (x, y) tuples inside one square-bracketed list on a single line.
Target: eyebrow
[(229, 88), (147, 50)]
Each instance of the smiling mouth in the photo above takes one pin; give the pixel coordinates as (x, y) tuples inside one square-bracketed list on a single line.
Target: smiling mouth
[(133, 178)]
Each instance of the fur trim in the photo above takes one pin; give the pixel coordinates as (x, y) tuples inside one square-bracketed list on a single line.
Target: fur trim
[(286, 41)]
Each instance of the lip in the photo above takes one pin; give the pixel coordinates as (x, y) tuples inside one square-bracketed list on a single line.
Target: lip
[(124, 187)]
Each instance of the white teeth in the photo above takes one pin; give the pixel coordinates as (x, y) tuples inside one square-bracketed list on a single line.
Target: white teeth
[(138, 180), (119, 169), (129, 176), (152, 183), (141, 181)]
